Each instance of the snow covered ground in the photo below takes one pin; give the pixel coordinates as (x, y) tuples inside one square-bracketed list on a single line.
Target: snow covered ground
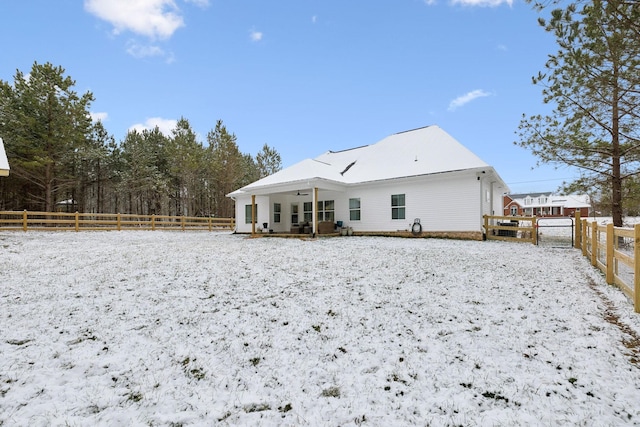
[(196, 328)]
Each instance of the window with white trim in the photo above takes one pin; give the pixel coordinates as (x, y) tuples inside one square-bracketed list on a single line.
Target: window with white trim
[(307, 209), (354, 209), (277, 210), (247, 214), (326, 210), (397, 206)]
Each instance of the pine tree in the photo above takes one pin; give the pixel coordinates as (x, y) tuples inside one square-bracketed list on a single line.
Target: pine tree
[(268, 161), (593, 82), (43, 120), (225, 169)]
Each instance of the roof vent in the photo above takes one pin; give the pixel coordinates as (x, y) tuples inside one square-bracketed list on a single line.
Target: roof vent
[(347, 168)]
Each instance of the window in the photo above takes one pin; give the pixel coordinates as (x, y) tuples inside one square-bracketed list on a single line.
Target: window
[(326, 211), (277, 209), (308, 211), (354, 209), (294, 213), (247, 214), (397, 206), (514, 210), (542, 200)]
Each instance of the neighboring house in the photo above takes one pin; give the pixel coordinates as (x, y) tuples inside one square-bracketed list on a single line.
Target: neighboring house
[(4, 163), (422, 174), (546, 204)]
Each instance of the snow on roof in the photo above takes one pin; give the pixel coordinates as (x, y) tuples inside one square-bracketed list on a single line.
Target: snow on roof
[(550, 199), (4, 163), (417, 152)]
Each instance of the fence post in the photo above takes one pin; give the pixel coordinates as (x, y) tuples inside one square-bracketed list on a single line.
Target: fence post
[(24, 220), (578, 226), (119, 221), (182, 222), (153, 222), (610, 246), (636, 268), (77, 218), (583, 231), (594, 243), (210, 223), (534, 233), (486, 226)]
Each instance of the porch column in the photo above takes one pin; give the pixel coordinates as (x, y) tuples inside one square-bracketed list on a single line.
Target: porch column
[(314, 209), (253, 214)]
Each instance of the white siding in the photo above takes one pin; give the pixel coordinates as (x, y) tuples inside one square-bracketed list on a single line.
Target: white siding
[(442, 203), (264, 212), (452, 202)]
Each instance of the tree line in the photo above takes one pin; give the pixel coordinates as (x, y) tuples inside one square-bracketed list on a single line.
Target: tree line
[(62, 160)]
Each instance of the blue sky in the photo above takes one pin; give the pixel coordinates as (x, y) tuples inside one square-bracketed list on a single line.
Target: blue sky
[(304, 76)]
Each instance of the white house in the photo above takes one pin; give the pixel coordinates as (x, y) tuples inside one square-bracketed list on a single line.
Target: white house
[(546, 204), (422, 175), (4, 163)]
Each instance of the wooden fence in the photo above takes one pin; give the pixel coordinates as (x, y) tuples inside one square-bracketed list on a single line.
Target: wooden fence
[(616, 252), (510, 228), (54, 221)]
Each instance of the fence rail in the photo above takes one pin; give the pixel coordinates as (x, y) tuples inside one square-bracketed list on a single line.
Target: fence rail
[(510, 228), (60, 221), (613, 250), (616, 252)]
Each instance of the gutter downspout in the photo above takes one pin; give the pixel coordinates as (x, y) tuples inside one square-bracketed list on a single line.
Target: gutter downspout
[(235, 209), (480, 176)]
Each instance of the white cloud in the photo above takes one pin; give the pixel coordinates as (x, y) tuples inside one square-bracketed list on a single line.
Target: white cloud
[(429, 2), (314, 19), (98, 117), (199, 3), (466, 98), (157, 19), (138, 50), (256, 36), (490, 3), (165, 125)]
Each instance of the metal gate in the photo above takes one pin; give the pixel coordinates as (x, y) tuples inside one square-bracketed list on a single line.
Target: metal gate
[(555, 232)]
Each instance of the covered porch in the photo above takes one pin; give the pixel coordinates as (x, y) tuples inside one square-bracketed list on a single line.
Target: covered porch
[(300, 208)]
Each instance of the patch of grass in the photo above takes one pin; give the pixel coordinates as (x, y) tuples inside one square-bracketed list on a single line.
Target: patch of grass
[(496, 396), (257, 407), (197, 373), (331, 392), (135, 396), (194, 372), (224, 417), (254, 361), (285, 408), (316, 328)]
